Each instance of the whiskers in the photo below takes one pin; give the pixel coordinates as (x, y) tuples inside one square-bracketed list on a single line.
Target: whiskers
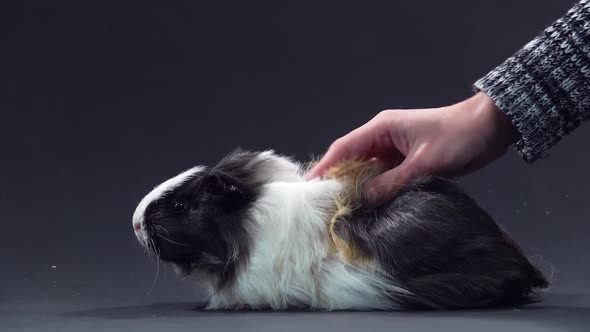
[(171, 241), (156, 252), (158, 234)]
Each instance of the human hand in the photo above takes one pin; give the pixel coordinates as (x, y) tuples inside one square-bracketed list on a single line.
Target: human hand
[(447, 141)]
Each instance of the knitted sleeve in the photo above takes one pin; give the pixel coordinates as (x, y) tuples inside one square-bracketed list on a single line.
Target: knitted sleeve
[(544, 88)]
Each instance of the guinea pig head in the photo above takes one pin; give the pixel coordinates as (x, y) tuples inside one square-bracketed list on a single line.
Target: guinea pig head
[(199, 218), (196, 220)]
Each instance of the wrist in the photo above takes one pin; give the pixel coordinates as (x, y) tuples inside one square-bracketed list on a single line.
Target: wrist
[(493, 119)]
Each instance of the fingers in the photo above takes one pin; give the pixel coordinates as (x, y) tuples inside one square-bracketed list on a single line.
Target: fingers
[(384, 186), (360, 143)]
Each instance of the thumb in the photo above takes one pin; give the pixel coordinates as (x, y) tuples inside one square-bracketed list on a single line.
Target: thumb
[(384, 186)]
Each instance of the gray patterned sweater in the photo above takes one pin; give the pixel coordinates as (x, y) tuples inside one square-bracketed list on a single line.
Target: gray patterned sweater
[(544, 88)]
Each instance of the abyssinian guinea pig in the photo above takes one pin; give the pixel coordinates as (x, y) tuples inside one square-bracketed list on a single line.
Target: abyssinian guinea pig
[(262, 237)]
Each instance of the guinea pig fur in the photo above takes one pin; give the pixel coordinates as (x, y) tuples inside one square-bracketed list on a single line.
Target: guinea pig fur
[(262, 237)]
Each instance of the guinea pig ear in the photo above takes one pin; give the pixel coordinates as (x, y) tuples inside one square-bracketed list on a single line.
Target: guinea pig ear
[(227, 189)]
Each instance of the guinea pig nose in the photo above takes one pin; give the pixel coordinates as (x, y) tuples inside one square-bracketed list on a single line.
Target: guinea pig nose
[(137, 227)]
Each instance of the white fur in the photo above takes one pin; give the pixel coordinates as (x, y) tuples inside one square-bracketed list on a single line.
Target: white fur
[(281, 168)]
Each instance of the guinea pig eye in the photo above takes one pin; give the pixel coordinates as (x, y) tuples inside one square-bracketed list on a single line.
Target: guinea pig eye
[(178, 206)]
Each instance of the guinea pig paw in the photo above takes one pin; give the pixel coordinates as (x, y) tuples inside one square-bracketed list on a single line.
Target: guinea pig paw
[(236, 306)]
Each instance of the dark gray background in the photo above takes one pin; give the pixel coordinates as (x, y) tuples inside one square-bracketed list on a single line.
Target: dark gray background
[(102, 100)]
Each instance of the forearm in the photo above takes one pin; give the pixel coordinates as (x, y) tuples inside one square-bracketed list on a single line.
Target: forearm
[(544, 89)]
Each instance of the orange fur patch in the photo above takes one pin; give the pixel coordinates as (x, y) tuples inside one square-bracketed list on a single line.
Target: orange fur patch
[(354, 175)]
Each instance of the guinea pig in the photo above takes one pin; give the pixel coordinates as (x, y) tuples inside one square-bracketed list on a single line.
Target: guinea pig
[(260, 236)]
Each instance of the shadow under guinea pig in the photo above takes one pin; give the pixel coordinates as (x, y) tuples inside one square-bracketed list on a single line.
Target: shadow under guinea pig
[(566, 312)]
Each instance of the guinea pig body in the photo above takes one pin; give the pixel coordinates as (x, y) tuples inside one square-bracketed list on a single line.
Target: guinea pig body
[(261, 236)]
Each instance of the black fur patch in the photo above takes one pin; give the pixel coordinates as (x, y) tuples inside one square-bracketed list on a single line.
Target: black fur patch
[(201, 224), (440, 245)]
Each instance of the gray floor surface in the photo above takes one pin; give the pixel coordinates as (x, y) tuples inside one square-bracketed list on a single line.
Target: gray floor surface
[(120, 301)]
